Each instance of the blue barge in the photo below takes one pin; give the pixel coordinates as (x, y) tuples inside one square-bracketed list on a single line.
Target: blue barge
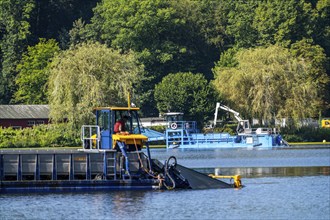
[(108, 160), (185, 134)]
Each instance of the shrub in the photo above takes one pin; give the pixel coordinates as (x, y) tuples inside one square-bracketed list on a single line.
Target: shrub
[(50, 135), (306, 134)]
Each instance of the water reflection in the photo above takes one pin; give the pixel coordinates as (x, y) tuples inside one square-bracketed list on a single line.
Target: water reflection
[(214, 158), (252, 172)]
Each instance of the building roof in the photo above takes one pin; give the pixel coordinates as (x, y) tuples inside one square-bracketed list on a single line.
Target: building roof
[(24, 111)]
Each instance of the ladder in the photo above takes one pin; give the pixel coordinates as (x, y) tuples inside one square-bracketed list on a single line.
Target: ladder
[(111, 161)]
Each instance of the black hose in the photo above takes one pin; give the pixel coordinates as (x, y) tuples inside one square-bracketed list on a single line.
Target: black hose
[(166, 172), (173, 164)]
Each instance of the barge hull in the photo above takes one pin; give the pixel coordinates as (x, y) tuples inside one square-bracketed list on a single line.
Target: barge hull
[(76, 186), (69, 170)]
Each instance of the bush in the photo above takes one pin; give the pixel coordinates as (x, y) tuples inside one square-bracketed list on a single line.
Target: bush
[(306, 134), (292, 138), (50, 135)]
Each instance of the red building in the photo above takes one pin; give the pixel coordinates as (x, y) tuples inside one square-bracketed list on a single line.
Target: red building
[(22, 116)]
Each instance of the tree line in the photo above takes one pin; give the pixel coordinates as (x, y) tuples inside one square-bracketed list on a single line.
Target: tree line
[(265, 59)]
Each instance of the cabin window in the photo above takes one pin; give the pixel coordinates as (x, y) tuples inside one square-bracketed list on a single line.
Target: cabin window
[(132, 124), (135, 123), (103, 120)]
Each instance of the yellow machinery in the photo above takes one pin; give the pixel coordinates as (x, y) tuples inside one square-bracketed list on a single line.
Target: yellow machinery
[(325, 123), (236, 178)]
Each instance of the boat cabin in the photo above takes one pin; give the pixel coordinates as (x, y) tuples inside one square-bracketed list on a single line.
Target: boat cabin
[(173, 116), (103, 135)]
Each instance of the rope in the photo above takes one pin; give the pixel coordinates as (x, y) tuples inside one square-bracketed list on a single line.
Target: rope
[(140, 160)]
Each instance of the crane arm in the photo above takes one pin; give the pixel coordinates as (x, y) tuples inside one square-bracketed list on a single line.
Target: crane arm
[(226, 108)]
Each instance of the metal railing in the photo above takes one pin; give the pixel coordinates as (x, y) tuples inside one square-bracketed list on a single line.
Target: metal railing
[(90, 136)]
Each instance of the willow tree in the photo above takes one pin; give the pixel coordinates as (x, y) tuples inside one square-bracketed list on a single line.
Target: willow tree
[(270, 82), (87, 76)]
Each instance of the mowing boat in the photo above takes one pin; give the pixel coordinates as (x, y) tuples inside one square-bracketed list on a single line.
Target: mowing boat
[(185, 134), (111, 158)]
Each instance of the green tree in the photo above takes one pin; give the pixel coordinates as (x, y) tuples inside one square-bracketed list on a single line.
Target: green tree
[(165, 38), (147, 27), (239, 26), (270, 82), (87, 76), (53, 19), (205, 19), (14, 32), (33, 73), (321, 33), (185, 92), (315, 55), (283, 22)]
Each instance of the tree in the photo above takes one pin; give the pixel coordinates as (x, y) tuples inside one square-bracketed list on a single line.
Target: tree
[(53, 19), (239, 26), (87, 76), (270, 82), (315, 55), (161, 32), (14, 32), (33, 73), (283, 23), (185, 92), (321, 31)]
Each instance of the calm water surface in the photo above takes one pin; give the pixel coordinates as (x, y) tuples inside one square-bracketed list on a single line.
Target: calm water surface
[(279, 184)]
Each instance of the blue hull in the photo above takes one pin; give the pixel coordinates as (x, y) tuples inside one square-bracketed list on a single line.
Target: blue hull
[(221, 140)]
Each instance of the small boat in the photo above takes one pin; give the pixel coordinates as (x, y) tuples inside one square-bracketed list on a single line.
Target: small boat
[(106, 161)]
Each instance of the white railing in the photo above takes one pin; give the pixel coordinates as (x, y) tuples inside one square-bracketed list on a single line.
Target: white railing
[(90, 136)]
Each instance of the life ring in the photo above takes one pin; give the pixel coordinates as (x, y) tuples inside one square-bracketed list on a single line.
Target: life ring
[(174, 126)]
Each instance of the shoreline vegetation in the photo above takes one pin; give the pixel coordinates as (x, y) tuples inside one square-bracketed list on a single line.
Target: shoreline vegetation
[(53, 136)]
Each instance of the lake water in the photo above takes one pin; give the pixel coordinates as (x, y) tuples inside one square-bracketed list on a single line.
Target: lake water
[(279, 184)]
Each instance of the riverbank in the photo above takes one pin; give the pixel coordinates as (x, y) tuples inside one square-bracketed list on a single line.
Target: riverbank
[(309, 145)]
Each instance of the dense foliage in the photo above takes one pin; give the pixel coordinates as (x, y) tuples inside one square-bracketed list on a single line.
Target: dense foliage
[(269, 83), (51, 135), (161, 32), (185, 92), (306, 134), (14, 30), (33, 73)]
